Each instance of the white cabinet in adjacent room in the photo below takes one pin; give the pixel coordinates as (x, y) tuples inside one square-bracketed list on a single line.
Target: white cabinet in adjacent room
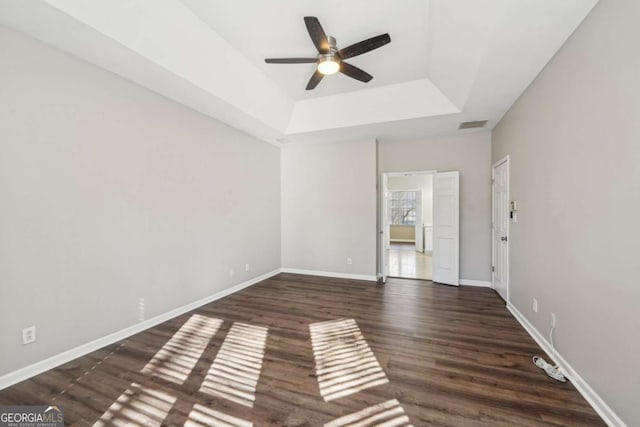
[(428, 238)]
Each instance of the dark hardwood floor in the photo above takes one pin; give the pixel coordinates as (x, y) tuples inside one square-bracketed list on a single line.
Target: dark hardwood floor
[(452, 356)]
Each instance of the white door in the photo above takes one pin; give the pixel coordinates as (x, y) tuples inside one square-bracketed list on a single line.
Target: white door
[(501, 228), (419, 235), (385, 228), (446, 228)]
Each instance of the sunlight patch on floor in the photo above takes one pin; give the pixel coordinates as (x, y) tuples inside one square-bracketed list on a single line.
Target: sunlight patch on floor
[(344, 362), (387, 414), (177, 358), (201, 416), (235, 371), (138, 406)]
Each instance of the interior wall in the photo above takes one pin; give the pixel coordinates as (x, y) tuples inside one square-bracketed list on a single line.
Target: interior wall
[(402, 233), (329, 207), (111, 193), (469, 153), (573, 141)]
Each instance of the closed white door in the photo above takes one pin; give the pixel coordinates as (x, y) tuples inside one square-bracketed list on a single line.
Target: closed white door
[(446, 228), (501, 228), (419, 234)]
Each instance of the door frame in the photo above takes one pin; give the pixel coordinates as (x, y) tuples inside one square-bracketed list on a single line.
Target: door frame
[(506, 160), (382, 189)]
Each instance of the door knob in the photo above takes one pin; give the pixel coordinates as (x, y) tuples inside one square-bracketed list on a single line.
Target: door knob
[(503, 238)]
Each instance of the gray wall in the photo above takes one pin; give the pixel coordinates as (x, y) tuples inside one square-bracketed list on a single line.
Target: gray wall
[(469, 153), (574, 142), (110, 193), (329, 206)]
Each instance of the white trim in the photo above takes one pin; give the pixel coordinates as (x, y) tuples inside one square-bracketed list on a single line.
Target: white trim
[(430, 172), (580, 384), (499, 162), (371, 278), (480, 283), (405, 190), (54, 361)]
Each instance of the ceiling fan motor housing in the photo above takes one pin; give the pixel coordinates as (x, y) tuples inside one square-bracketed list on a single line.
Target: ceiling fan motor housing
[(333, 52), (332, 44)]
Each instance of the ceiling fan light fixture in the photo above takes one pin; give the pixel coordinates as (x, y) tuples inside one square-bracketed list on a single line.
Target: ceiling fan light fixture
[(329, 59), (328, 64)]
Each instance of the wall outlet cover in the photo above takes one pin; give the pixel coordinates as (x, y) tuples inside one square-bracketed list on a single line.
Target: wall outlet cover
[(29, 335)]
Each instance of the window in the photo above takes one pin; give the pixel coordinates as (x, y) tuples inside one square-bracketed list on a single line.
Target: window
[(403, 207)]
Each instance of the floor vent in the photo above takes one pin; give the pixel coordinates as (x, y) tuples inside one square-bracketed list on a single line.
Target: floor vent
[(473, 125)]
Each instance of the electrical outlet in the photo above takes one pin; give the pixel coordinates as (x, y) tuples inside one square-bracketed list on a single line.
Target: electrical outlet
[(246, 267), (29, 335), (231, 273), (141, 310), (349, 261), (553, 320), (535, 305)]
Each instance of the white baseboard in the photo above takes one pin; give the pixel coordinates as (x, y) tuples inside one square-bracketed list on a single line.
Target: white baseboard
[(580, 384), (480, 283), (52, 362), (330, 274)]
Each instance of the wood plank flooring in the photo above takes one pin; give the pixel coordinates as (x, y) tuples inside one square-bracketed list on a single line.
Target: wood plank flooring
[(452, 356)]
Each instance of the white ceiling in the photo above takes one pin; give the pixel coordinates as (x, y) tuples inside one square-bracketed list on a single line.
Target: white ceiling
[(275, 28), (448, 61)]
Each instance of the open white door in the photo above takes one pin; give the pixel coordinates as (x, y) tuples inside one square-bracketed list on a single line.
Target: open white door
[(419, 233), (446, 228), (501, 228), (385, 231)]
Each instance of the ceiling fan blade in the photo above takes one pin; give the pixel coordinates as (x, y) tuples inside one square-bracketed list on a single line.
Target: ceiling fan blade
[(318, 37), (314, 80), (354, 72), (364, 46), (290, 60)]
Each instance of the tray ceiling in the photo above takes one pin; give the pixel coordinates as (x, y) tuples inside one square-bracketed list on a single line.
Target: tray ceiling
[(449, 60)]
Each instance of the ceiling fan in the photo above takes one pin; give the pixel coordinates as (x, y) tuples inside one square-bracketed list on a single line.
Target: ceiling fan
[(330, 60)]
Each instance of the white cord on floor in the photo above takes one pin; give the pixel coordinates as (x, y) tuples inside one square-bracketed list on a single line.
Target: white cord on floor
[(553, 347), (551, 370)]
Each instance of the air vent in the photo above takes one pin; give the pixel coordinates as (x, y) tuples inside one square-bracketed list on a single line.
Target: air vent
[(472, 125)]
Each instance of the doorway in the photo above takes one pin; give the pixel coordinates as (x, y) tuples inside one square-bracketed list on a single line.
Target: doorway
[(409, 214), (434, 252)]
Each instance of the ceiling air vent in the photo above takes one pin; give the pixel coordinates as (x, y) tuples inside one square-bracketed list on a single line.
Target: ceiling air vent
[(472, 125)]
